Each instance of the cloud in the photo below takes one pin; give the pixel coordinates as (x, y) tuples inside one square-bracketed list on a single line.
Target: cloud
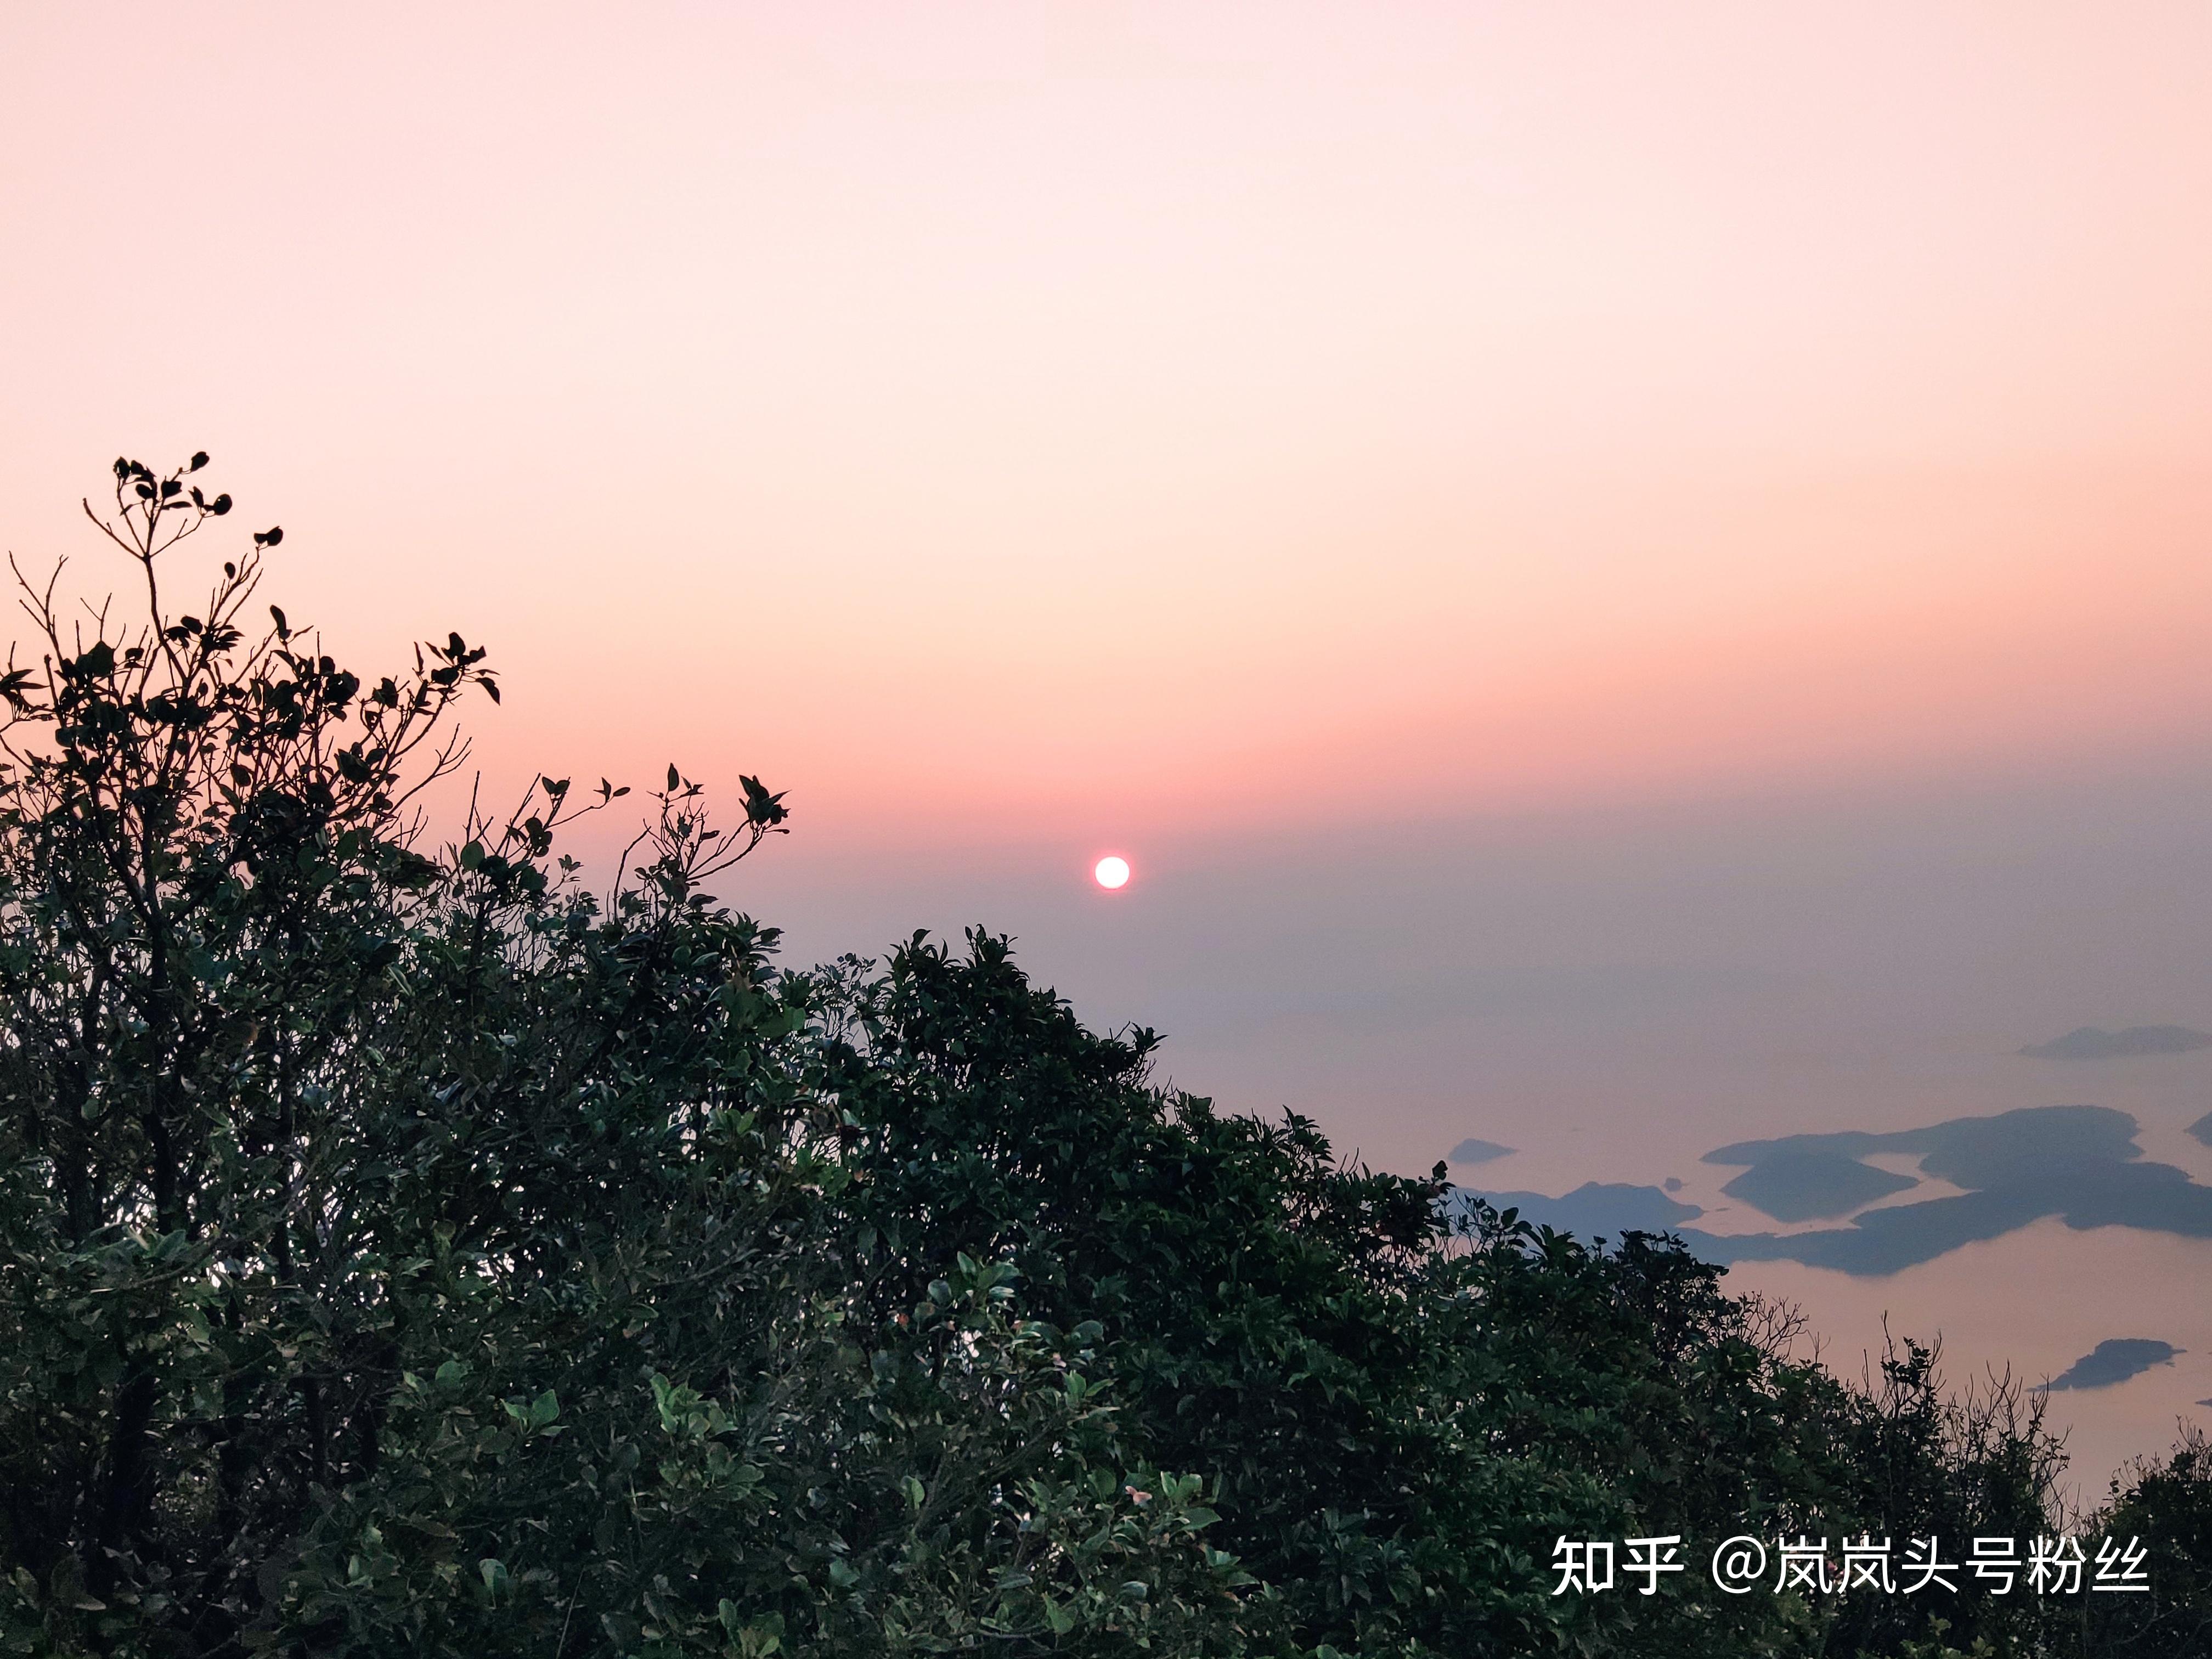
[(2202, 1128), (2079, 1162), (2113, 1362), (1813, 1186), (1973, 1152), (1479, 1151), (2088, 1042), (1599, 1207)]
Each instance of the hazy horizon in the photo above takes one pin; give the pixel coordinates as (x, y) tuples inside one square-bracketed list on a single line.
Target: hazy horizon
[(1626, 582)]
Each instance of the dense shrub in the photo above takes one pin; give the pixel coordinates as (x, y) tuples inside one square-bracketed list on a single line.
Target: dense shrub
[(408, 1249)]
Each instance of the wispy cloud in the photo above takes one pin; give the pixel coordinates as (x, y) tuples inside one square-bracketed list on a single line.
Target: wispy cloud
[(2088, 1042), (2078, 1162), (1474, 1150), (2113, 1362)]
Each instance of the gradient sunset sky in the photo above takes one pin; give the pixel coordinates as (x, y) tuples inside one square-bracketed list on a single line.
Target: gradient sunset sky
[(1626, 577)]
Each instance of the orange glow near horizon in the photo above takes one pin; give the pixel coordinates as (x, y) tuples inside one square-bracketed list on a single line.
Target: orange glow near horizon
[(1640, 575), (1475, 413)]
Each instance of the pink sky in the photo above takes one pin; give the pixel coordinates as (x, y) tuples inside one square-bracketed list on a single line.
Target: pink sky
[(1070, 419), (1664, 547)]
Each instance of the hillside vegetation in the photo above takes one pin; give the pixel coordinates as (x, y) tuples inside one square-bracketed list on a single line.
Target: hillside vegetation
[(410, 1250)]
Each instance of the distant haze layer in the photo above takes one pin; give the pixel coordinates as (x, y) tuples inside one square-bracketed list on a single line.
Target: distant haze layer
[(1626, 579)]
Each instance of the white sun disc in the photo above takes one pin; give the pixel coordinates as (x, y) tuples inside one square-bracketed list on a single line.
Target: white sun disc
[(1111, 872)]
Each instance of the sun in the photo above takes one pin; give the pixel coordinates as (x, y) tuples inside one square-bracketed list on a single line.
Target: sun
[(1111, 872)]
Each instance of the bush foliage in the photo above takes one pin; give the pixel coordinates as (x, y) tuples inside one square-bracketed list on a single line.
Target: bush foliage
[(412, 1250)]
